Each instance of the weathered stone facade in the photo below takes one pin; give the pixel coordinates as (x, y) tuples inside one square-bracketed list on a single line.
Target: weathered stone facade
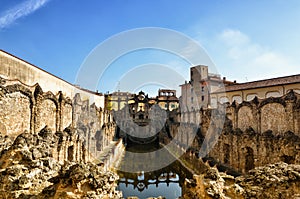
[(14, 68), (279, 114), (15, 113), (254, 134), (26, 108), (50, 144)]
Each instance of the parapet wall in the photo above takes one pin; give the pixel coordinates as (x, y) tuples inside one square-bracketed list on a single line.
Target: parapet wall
[(14, 68)]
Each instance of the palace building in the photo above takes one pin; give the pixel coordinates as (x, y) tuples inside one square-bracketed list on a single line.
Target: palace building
[(275, 87), (206, 90)]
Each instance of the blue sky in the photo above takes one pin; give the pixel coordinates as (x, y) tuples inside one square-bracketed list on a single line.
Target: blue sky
[(247, 40)]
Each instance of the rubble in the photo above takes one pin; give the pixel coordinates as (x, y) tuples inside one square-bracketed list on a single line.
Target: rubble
[(272, 181), (29, 169)]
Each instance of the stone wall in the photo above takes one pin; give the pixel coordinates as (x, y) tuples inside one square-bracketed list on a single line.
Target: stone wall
[(29, 109), (247, 150), (254, 134), (262, 132), (279, 114), (15, 113), (14, 68)]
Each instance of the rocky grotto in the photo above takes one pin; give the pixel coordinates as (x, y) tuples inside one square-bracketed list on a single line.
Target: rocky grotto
[(29, 170)]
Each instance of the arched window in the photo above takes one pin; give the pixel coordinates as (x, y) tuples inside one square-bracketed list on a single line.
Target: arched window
[(273, 94), (251, 96), (237, 98), (223, 100)]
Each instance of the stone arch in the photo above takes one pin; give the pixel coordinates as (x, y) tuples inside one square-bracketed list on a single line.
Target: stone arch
[(273, 117), (245, 118), (16, 104), (249, 159), (47, 112)]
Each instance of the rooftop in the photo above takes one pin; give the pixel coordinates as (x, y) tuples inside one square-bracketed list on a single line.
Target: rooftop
[(262, 83)]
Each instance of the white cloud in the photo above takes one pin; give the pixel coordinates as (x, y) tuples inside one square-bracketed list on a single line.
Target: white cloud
[(21, 10), (252, 60), (234, 37)]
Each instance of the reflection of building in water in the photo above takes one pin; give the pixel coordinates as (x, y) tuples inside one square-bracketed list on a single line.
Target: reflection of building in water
[(174, 173)]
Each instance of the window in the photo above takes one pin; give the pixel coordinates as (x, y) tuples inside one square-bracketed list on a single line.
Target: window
[(224, 100), (202, 89), (273, 94), (192, 99), (251, 96), (202, 98), (237, 98)]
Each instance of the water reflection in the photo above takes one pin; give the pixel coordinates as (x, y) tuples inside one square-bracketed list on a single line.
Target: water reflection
[(165, 182)]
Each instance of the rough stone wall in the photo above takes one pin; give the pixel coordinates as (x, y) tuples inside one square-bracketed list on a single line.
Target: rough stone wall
[(28, 109), (50, 165), (260, 132), (14, 68), (248, 149), (47, 111), (245, 118), (254, 134), (67, 113), (273, 118), (15, 113), (279, 114)]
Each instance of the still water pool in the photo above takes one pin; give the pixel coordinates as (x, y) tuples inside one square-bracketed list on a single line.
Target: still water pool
[(165, 182)]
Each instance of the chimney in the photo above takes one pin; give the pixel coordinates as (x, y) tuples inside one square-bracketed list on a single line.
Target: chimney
[(224, 78)]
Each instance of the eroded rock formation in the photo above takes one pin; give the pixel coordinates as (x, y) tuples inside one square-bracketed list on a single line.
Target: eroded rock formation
[(272, 181), (30, 168)]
